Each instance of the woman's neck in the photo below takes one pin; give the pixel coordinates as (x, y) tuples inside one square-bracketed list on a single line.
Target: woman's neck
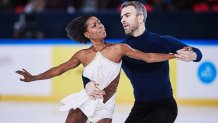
[(98, 46)]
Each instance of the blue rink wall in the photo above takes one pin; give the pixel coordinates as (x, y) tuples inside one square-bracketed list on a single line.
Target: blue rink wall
[(193, 83)]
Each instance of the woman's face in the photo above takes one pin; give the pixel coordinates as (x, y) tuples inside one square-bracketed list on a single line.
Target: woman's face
[(95, 29)]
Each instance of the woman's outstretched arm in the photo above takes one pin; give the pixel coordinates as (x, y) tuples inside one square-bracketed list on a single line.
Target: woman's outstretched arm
[(147, 57), (55, 71)]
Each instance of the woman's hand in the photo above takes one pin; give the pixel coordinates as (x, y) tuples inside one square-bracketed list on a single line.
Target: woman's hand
[(186, 54), (27, 77)]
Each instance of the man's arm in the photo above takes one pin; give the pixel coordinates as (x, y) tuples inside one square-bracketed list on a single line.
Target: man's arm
[(189, 54), (85, 81), (198, 53), (92, 89), (176, 46)]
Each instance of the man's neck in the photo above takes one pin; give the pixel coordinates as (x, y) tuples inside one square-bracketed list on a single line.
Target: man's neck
[(139, 31)]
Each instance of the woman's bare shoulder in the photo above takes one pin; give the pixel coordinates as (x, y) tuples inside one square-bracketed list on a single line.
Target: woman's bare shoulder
[(82, 53), (85, 51)]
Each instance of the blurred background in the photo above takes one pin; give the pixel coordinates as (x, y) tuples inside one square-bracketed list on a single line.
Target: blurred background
[(32, 36)]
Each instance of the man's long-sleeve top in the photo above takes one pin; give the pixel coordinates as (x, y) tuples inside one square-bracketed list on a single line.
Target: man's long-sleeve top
[(151, 81)]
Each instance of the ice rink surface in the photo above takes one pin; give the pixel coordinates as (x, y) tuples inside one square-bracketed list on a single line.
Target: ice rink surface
[(35, 112)]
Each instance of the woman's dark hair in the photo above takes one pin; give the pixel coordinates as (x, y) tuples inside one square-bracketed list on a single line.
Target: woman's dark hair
[(76, 28)]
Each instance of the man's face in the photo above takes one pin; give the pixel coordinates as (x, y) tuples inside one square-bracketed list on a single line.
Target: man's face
[(129, 19)]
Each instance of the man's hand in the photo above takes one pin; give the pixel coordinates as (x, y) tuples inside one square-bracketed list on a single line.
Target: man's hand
[(93, 91), (186, 54)]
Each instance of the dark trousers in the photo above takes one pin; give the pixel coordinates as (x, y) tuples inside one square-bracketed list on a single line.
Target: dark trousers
[(164, 111)]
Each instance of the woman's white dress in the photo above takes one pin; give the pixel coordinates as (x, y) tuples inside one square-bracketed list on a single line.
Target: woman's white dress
[(103, 71)]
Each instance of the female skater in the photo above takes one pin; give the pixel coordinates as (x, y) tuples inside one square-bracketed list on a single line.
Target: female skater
[(102, 64)]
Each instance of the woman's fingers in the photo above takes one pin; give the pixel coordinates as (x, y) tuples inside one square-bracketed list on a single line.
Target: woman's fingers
[(26, 71), (20, 72)]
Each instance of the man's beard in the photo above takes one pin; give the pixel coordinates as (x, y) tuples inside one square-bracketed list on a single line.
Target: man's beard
[(132, 29)]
